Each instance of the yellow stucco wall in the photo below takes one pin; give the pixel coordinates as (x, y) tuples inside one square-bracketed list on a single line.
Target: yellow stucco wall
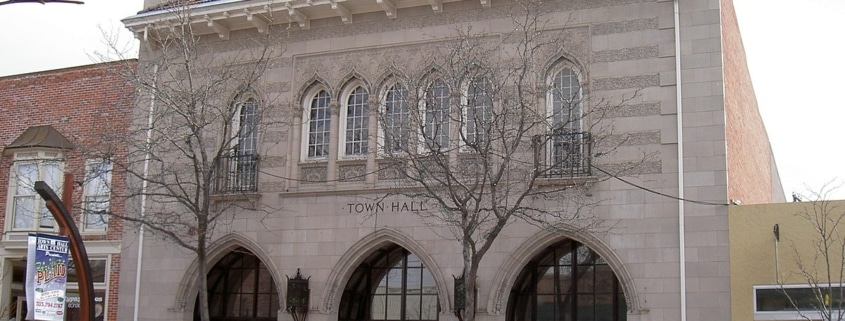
[(752, 247)]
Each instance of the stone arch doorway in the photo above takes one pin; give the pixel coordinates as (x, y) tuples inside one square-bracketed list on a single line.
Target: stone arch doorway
[(392, 284), (567, 281), (240, 287)]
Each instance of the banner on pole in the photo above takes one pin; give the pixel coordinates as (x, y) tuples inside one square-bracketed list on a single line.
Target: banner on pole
[(46, 276)]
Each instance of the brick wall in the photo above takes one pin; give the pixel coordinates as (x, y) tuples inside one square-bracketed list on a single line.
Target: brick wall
[(85, 104), (750, 165)]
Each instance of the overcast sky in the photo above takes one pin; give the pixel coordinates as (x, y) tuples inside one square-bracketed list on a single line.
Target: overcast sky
[(794, 48)]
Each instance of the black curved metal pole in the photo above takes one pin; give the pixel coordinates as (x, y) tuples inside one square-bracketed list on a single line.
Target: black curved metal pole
[(77, 249)]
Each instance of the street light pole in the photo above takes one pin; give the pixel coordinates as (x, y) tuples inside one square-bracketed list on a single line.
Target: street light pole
[(67, 228)]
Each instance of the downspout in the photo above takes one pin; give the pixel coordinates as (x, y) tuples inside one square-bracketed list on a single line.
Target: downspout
[(681, 229), (144, 198)]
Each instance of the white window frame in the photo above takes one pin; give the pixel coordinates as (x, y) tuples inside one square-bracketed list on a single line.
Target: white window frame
[(306, 124), (466, 104), (786, 315), (103, 194), (344, 121), (40, 158), (383, 116), (423, 110)]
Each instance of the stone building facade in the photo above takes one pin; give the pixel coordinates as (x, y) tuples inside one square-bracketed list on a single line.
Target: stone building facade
[(51, 119), (692, 113)]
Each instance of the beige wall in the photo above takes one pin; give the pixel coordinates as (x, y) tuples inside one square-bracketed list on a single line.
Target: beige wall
[(753, 248)]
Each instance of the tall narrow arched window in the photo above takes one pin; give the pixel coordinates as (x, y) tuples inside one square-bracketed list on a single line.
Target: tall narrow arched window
[(565, 94), (396, 120), (568, 281), (567, 148), (240, 287), (391, 284), (356, 120), (436, 128), (478, 115), (237, 171), (318, 125), (247, 140)]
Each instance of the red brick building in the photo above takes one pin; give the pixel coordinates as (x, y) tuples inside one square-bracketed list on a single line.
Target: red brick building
[(51, 121)]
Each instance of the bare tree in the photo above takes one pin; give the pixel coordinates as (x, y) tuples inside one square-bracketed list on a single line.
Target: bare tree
[(193, 151), (819, 258), (481, 134)]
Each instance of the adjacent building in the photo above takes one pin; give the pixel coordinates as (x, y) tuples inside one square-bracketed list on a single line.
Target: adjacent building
[(667, 257), (50, 120), (786, 261)]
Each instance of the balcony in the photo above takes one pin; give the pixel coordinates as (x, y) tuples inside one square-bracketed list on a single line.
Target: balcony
[(563, 155), (236, 174)]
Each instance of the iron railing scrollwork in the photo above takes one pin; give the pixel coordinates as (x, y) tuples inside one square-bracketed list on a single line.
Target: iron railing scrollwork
[(561, 155), (236, 174)]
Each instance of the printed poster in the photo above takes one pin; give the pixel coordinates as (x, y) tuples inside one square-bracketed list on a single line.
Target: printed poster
[(46, 276)]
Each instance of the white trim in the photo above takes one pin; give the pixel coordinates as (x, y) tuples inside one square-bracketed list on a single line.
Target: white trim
[(85, 194), (39, 157), (382, 111), (342, 121), (306, 120)]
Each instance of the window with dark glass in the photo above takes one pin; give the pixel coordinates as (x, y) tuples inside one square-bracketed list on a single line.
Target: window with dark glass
[(391, 284), (567, 282), (240, 287)]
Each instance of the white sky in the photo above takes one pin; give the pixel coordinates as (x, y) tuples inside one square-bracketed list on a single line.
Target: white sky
[(794, 48)]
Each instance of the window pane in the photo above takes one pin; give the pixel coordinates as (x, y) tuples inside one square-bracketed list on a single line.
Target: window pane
[(394, 307), (585, 308), (27, 175), (248, 131), (24, 212), (429, 307), (545, 280), (53, 177), (566, 102), (379, 302), (96, 212), (412, 307)]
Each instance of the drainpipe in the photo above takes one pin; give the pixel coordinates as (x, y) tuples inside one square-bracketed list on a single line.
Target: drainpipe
[(144, 199), (681, 229)]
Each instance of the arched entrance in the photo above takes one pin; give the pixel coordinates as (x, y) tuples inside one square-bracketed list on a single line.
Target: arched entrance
[(391, 285), (568, 282), (240, 287)]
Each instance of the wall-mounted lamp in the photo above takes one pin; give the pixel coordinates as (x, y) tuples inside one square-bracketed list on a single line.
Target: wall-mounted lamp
[(460, 296), (297, 296), (776, 231)]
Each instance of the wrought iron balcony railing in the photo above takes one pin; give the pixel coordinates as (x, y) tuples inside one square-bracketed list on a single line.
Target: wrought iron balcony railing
[(236, 174), (562, 155)]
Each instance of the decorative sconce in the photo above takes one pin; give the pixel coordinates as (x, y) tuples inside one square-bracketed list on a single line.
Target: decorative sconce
[(460, 296), (297, 296)]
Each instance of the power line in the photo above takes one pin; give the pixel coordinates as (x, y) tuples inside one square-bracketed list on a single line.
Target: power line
[(656, 192)]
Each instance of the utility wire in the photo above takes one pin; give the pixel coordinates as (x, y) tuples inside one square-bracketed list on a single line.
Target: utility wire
[(656, 192)]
